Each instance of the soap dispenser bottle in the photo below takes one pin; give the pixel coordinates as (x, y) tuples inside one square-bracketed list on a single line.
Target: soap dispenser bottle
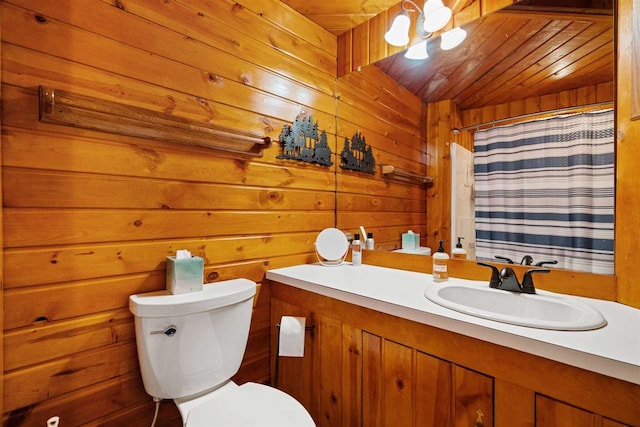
[(370, 243), (459, 252), (356, 250), (440, 260)]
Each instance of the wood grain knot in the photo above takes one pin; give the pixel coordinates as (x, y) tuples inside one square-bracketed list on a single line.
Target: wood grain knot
[(271, 196), (137, 223), (400, 384), (212, 276), (40, 19)]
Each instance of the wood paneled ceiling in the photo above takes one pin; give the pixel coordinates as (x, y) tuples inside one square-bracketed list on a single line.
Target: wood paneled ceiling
[(532, 48), (338, 16)]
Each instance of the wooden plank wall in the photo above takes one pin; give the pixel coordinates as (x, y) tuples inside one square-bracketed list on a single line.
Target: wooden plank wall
[(442, 118), (594, 94), (89, 217), (392, 121), (628, 146)]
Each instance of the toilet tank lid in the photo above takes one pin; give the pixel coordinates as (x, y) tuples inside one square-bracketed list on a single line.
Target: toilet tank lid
[(213, 295)]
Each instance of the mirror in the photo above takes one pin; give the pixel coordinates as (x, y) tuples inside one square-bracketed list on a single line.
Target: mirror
[(525, 51)]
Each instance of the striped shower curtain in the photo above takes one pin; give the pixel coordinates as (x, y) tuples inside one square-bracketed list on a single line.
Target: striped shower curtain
[(545, 188)]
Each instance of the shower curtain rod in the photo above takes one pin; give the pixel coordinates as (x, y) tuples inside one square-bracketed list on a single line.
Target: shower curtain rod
[(524, 116)]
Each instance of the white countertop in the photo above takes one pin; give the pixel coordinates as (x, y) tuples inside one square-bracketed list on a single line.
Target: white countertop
[(613, 350)]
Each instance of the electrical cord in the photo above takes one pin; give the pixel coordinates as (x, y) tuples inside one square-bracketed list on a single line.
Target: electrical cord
[(155, 415)]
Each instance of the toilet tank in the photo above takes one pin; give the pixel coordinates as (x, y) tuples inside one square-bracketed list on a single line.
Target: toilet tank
[(190, 343)]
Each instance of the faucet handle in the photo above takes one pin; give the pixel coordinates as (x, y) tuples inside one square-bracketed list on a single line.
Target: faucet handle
[(527, 280), (505, 259), (495, 275), (541, 263), (527, 260)]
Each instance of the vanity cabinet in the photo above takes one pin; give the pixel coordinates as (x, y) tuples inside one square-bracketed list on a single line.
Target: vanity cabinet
[(351, 377), (366, 368)]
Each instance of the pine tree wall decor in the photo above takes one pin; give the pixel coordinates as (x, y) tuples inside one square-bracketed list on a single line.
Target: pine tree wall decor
[(301, 141), (357, 155)]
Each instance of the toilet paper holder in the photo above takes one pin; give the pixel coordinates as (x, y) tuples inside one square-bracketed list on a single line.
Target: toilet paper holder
[(306, 328), (275, 380)]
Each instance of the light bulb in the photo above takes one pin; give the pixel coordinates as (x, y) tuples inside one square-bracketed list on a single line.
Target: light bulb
[(417, 51), (436, 15), (398, 34), (452, 38)]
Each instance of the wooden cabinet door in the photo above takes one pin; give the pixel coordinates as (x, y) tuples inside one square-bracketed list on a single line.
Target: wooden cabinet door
[(473, 397), (403, 387), (610, 423), (513, 405), (551, 413), (398, 384), (372, 375), (433, 391), (328, 371)]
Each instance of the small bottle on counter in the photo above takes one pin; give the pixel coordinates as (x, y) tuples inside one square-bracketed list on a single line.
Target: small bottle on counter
[(440, 260), (356, 250), (459, 252), (369, 243)]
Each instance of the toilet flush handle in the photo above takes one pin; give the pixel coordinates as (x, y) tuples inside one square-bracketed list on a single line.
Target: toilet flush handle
[(168, 331)]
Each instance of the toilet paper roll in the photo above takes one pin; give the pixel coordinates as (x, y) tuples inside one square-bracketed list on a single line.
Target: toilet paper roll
[(292, 336)]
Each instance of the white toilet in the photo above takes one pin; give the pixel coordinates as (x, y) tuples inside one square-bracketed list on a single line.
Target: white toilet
[(190, 345)]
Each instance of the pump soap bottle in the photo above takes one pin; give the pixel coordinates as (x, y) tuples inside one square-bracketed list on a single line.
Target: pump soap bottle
[(459, 252), (369, 243), (440, 260), (356, 250)]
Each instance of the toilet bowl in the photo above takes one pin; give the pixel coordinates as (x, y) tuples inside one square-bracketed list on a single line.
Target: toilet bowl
[(247, 405), (189, 347)]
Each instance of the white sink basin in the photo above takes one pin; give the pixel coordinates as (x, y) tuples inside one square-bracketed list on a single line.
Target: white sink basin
[(544, 310)]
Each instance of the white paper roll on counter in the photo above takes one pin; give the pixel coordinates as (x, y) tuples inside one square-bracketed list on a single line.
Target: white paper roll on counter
[(292, 336)]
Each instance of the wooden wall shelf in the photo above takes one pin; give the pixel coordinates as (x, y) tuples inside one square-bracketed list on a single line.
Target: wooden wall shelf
[(393, 172), (65, 108)]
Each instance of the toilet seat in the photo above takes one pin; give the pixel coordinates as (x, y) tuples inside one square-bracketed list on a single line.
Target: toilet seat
[(247, 405)]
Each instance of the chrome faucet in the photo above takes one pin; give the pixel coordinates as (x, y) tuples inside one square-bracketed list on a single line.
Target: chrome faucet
[(507, 280)]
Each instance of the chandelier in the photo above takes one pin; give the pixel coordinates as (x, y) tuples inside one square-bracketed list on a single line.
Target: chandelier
[(433, 16)]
